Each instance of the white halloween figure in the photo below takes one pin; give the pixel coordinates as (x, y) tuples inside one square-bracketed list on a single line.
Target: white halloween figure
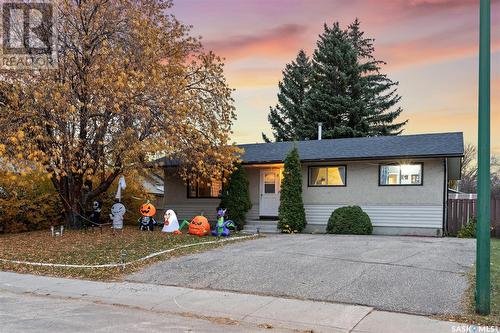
[(171, 223), (117, 212), (121, 186)]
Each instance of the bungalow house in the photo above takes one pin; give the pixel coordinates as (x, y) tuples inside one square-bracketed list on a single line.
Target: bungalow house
[(399, 181)]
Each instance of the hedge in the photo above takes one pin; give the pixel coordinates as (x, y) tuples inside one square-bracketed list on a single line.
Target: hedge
[(350, 220)]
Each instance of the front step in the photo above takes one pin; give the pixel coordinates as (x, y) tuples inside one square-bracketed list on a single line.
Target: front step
[(264, 226)]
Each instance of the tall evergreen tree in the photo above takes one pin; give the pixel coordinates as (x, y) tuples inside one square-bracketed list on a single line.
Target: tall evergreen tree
[(363, 45), (236, 197), (335, 96), (287, 116), (346, 91), (292, 216), (380, 91)]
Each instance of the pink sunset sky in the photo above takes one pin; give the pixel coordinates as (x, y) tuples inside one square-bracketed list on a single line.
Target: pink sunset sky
[(430, 47)]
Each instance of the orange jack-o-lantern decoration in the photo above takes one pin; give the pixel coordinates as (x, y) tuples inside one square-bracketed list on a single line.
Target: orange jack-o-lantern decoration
[(148, 209), (199, 226)]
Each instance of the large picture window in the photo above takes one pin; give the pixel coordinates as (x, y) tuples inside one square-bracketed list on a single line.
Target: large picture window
[(401, 174), (327, 175), (205, 189)]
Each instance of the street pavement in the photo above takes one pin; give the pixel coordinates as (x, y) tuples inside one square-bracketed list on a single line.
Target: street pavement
[(31, 303), (420, 275)]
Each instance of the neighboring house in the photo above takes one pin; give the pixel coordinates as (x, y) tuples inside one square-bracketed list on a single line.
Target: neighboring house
[(153, 183), (154, 186), (400, 181), (454, 194)]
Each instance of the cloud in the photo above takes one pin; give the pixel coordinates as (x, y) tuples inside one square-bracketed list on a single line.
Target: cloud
[(276, 42), (426, 31), (442, 121), (445, 3), (441, 3), (444, 45), (254, 77), (433, 6), (420, 39)]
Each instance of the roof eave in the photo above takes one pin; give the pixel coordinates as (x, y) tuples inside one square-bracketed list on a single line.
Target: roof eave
[(371, 158)]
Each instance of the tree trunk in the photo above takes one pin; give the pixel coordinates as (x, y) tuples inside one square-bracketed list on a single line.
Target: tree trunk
[(70, 191), (73, 220), (74, 198)]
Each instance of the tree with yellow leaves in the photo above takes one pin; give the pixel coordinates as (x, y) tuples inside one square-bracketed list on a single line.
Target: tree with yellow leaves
[(28, 202), (130, 83)]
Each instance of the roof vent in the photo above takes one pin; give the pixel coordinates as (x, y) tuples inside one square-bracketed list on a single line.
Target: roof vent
[(320, 130)]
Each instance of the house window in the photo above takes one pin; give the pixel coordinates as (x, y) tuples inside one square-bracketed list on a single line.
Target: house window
[(327, 176), (205, 189), (270, 183), (401, 174)]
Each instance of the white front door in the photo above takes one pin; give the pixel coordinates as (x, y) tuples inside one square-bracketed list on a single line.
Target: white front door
[(269, 192)]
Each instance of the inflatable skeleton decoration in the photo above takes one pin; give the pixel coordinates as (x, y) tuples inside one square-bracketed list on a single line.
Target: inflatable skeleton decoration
[(117, 212), (95, 216), (147, 221)]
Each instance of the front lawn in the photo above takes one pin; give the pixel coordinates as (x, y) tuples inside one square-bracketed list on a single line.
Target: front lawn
[(94, 248), (495, 281)]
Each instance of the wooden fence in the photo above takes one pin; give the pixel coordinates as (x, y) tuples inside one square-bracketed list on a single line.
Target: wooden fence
[(460, 210)]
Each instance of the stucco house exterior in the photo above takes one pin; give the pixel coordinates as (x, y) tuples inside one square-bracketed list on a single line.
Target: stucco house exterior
[(400, 181)]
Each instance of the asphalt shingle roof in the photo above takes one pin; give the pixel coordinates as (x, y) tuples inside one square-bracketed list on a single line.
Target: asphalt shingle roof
[(381, 147)]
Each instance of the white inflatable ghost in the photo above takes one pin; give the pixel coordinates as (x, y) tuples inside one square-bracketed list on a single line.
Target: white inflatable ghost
[(171, 223), (117, 212)]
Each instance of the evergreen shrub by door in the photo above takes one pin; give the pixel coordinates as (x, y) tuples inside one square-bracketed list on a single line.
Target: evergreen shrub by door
[(236, 197), (292, 216)]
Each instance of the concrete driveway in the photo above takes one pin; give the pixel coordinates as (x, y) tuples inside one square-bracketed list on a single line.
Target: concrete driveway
[(404, 274)]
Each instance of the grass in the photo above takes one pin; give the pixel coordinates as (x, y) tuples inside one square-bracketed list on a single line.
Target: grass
[(495, 280), (494, 317), (93, 248)]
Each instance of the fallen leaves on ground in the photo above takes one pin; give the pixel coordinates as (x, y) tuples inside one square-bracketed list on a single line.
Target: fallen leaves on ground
[(93, 247)]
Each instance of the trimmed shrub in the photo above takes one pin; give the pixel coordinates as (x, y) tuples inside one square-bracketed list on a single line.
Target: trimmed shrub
[(292, 216), (350, 220), (468, 230), (236, 197)]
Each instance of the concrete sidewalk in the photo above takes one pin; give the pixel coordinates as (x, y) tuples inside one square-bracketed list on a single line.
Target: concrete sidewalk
[(251, 311)]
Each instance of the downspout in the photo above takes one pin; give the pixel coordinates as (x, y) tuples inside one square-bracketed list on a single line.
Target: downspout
[(445, 198)]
